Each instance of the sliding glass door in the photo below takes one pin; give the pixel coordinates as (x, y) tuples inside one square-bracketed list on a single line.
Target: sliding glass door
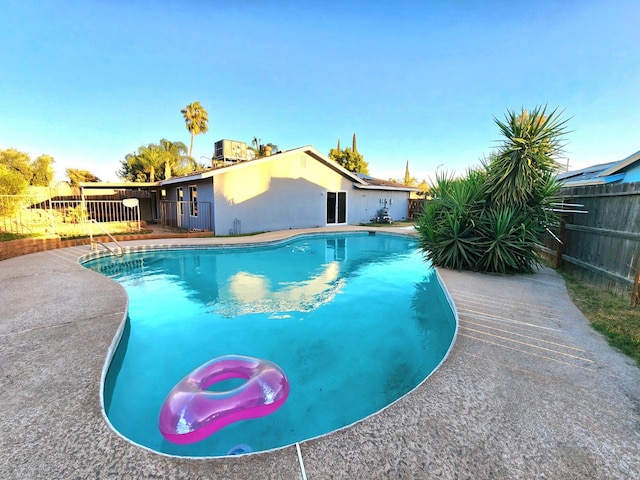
[(336, 207)]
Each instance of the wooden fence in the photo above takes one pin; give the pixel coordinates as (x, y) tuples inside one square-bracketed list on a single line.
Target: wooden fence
[(601, 247), (415, 208)]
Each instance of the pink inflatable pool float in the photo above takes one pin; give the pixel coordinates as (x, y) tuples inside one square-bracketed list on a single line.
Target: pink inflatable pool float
[(191, 413)]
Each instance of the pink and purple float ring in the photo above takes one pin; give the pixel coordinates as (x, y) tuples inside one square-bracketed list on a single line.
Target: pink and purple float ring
[(191, 413)]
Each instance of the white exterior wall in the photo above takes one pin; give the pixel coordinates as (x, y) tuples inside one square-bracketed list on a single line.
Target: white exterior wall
[(399, 204), (366, 204), (284, 193), (360, 206)]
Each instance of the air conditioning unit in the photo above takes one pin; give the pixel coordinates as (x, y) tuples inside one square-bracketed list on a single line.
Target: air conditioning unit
[(230, 151)]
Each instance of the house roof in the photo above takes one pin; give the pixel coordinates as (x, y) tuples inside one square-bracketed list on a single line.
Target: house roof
[(622, 164), (601, 173), (584, 174), (212, 172), (359, 180), (373, 183)]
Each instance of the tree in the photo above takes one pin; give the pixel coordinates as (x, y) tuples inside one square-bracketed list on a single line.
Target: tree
[(150, 159), (408, 180), (255, 147), (76, 176), (141, 167), (17, 171), (175, 158), (352, 161), (11, 181), (493, 219), (349, 158), (259, 149), (157, 161), (196, 119), (424, 187), (18, 162), (42, 171)]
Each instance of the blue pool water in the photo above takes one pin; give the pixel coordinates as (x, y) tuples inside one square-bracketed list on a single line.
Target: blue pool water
[(354, 320)]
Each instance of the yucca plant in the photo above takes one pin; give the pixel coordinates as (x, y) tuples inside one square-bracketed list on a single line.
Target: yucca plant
[(509, 237), (447, 227), (493, 219), (526, 155)]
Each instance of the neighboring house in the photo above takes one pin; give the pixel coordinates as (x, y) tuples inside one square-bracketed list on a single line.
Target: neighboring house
[(623, 171), (298, 188)]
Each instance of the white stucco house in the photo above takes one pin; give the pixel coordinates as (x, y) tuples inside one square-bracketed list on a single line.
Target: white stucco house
[(298, 188)]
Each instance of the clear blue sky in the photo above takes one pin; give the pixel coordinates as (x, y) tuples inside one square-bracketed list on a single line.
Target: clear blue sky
[(90, 81)]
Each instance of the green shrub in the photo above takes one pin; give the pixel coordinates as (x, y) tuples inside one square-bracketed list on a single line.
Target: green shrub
[(493, 219)]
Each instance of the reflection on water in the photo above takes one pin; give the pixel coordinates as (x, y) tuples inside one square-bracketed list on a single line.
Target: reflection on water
[(297, 277), (249, 293)]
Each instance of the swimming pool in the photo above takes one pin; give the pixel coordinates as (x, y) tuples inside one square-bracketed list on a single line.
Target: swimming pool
[(355, 320)]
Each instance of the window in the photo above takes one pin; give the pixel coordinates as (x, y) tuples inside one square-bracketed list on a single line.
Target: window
[(193, 200), (336, 207), (180, 200)]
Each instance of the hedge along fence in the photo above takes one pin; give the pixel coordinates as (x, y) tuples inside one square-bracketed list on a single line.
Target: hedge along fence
[(601, 247)]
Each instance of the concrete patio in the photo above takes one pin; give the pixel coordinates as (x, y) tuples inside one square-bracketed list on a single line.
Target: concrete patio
[(529, 390)]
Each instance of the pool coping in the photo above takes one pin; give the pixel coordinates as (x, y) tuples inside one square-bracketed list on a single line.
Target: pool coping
[(489, 411)]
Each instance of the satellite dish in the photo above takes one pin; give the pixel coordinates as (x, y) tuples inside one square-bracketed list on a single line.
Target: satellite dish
[(130, 202)]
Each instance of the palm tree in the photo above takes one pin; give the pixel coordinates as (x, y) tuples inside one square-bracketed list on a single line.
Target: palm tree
[(196, 119), (149, 159), (175, 158)]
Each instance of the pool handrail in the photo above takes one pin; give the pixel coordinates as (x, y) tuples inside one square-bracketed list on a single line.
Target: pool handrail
[(95, 243)]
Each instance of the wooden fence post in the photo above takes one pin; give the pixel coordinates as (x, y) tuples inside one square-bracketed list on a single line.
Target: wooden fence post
[(635, 292), (562, 236)]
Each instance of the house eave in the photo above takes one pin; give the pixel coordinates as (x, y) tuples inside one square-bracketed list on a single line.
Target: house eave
[(118, 184), (188, 178), (584, 183), (620, 165), (386, 188), (596, 181), (312, 152)]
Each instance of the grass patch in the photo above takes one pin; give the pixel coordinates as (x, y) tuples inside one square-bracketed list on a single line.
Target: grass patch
[(610, 314), (7, 237), (102, 234)]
